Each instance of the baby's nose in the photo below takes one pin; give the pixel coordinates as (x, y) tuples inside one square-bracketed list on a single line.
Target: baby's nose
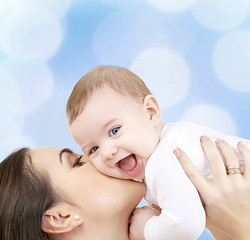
[(109, 152)]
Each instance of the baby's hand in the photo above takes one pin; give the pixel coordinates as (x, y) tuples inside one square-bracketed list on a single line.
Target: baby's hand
[(138, 220)]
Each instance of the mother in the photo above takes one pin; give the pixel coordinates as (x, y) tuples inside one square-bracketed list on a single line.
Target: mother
[(50, 193)]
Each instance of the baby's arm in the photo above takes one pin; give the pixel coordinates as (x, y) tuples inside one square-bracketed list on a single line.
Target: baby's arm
[(166, 226), (182, 215), (138, 220)]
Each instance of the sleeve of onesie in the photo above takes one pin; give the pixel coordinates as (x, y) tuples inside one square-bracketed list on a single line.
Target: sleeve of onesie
[(182, 216)]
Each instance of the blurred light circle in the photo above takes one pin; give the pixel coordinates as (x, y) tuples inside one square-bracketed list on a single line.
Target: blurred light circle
[(181, 33), (220, 14), (58, 7), (231, 60), (10, 96), (127, 3), (165, 73), (172, 5), (2, 56), (114, 40), (11, 138), (35, 81), (149, 29), (5, 10), (31, 33), (211, 116)]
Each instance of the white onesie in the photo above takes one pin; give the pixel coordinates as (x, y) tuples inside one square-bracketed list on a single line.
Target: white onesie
[(182, 216)]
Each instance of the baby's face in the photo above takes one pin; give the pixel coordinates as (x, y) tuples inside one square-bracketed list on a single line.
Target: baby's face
[(116, 133)]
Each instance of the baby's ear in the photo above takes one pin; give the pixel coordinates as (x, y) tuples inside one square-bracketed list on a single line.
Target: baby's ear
[(60, 219), (151, 106)]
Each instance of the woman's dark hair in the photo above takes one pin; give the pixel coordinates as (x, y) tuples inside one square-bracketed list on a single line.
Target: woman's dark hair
[(25, 194)]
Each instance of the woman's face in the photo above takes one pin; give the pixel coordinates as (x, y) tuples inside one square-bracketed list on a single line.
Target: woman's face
[(83, 185)]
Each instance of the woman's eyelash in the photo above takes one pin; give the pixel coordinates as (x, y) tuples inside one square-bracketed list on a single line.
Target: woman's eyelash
[(78, 162)]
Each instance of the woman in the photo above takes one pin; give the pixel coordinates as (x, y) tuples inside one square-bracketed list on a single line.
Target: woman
[(227, 194), (64, 194), (61, 192)]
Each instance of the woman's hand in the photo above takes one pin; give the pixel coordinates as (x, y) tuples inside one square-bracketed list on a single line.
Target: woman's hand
[(227, 195)]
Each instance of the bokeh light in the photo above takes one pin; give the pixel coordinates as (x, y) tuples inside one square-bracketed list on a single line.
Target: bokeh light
[(120, 4), (34, 80), (166, 74), (211, 116), (231, 60), (220, 15), (12, 138), (10, 96), (116, 32), (149, 29), (58, 7), (172, 5), (31, 33)]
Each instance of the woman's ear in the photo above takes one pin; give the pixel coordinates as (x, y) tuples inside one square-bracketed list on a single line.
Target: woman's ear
[(151, 106), (61, 218)]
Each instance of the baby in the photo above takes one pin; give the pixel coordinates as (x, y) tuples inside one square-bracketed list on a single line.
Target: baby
[(118, 124)]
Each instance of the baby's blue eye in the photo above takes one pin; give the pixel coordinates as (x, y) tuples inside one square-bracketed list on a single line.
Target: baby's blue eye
[(94, 149), (114, 131)]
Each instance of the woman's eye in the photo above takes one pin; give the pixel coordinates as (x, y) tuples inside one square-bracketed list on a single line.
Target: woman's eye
[(114, 131), (94, 149), (79, 162)]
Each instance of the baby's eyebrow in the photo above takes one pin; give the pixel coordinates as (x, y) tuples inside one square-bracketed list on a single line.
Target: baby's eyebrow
[(110, 121), (67, 150)]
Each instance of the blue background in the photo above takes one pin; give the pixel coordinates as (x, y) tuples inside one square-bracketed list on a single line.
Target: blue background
[(193, 54)]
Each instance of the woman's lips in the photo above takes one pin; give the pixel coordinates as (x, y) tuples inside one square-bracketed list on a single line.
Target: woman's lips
[(130, 165)]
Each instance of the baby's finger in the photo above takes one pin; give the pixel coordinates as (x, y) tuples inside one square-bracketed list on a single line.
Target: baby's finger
[(191, 170), (245, 152), (231, 160), (214, 158)]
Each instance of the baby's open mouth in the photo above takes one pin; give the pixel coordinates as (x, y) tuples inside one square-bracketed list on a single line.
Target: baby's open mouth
[(128, 163), (131, 166)]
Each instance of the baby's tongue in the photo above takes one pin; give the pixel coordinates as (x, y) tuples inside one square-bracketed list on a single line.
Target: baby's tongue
[(128, 163)]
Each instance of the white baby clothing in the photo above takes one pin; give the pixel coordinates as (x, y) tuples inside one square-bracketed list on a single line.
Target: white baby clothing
[(182, 216)]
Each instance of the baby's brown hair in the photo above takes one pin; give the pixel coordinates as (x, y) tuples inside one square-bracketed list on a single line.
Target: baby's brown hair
[(119, 79)]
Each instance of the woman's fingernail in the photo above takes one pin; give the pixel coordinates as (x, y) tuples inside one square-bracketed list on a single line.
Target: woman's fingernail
[(177, 152), (240, 144), (204, 139), (218, 141)]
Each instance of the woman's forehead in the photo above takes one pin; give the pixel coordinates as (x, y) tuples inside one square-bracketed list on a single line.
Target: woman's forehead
[(44, 157), (43, 151)]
